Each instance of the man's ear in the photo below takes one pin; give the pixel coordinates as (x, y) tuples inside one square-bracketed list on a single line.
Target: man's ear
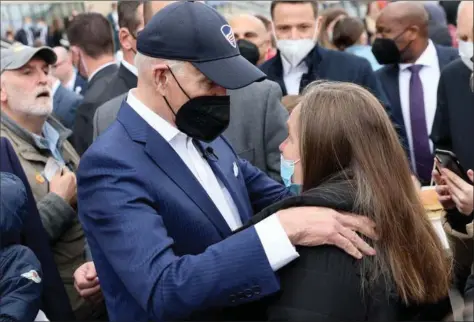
[(124, 38), (3, 92), (161, 78)]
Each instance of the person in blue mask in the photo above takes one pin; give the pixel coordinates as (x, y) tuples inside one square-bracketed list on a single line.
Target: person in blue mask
[(328, 158)]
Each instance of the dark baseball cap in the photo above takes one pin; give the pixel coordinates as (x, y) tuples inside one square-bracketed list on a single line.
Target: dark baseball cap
[(18, 55), (196, 33)]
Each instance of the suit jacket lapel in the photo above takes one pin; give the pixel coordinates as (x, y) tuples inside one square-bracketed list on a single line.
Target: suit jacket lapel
[(229, 183), (169, 161)]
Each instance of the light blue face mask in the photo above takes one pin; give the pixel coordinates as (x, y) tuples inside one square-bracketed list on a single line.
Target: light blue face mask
[(287, 170)]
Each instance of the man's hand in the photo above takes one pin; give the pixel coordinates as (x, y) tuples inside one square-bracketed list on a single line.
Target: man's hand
[(461, 192), (87, 284), (444, 196), (313, 226), (64, 185)]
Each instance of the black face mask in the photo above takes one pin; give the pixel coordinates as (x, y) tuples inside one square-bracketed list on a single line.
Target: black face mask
[(203, 118), (249, 51), (386, 51)]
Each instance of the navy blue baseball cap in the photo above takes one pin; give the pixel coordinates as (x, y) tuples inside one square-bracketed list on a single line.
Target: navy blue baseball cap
[(196, 33)]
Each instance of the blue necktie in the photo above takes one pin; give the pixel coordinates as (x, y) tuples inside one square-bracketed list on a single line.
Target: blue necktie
[(421, 144)]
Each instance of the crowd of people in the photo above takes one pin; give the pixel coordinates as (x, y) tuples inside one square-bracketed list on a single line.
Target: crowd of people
[(243, 169)]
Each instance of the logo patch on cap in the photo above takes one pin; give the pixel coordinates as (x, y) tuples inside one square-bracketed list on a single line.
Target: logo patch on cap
[(32, 275), (229, 35)]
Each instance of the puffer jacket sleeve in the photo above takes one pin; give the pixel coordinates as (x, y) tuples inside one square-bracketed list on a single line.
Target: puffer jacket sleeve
[(20, 284)]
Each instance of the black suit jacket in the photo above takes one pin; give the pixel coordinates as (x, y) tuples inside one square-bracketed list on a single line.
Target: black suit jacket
[(453, 126), (82, 132), (388, 76), (330, 65), (55, 302)]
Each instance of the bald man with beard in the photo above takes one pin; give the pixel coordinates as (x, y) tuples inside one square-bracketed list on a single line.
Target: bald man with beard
[(250, 29), (258, 122), (410, 77)]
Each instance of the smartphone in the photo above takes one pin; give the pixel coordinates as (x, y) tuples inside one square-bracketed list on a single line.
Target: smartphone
[(448, 160)]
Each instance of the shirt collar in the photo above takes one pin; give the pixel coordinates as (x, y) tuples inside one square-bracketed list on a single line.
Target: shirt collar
[(55, 87), (50, 138), (288, 69), (159, 124), (131, 68), (428, 58), (99, 69), (72, 82)]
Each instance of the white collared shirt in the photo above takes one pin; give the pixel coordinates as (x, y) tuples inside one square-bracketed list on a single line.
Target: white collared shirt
[(429, 74), (275, 242), (292, 76), (55, 87), (99, 69), (130, 67), (72, 82)]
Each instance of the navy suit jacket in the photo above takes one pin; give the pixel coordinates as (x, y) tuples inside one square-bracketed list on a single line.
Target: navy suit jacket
[(55, 303), (65, 103), (388, 76), (330, 65), (82, 83), (162, 249)]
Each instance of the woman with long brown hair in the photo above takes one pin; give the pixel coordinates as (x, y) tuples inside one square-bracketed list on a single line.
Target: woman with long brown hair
[(344, 152)]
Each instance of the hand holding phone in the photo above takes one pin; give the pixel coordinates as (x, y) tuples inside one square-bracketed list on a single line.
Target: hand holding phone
[(447, 159)]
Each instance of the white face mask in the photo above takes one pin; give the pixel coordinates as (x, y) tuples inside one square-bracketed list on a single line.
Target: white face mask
[(466, 51), (295, 50)]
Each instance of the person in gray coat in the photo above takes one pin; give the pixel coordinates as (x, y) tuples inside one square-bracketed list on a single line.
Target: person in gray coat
[(257, 124)]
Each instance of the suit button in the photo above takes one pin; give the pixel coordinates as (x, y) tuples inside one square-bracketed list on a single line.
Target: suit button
[(232, 298), (256, 290), (241, 295), (248, 293)]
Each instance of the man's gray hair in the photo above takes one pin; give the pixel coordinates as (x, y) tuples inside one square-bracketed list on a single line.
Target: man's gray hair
[(144, 63)]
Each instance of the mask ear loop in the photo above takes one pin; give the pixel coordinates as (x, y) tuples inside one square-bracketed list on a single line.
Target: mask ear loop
[(179, 85)]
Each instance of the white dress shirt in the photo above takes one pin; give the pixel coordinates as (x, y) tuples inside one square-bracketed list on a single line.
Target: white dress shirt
[(72, 82), (130, 67), (275, 242), (292, 76), (55, 87), (429, 75), (99, 69)]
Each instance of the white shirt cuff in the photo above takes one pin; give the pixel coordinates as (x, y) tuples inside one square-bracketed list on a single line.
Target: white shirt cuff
[(275, 242)]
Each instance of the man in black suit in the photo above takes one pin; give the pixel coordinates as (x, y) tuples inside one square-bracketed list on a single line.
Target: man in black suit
[(300, 60), (92, 49), (453, 130), (410, 77)]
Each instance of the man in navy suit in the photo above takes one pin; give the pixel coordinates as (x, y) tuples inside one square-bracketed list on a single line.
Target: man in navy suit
[(65, 104), (410, 77), (66, 73), (300, 60), (160, 191)]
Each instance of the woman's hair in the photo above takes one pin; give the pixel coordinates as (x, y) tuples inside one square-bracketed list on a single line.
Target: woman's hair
[(344, 127), (290, 102), (328, 16), (347, 32)]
